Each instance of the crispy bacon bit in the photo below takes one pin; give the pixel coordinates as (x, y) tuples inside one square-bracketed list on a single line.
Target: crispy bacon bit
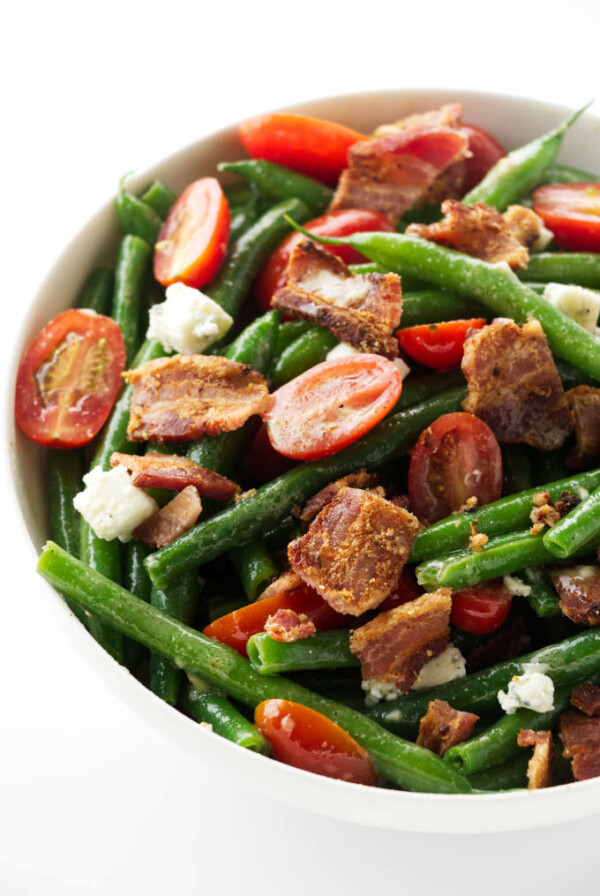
[(578, 588), (287, 625), (354, 550), (401, 501), (543, 513), (362, 310), (566, 503), (478, 230), (586, 698), (477, 540), (443, 727), (395, 645), (584, 402), (510, 641), (580, 736), (172, 520), (393, 172), (283, 584), (469, 505), (524, 224), (314, 505), (171, 471), (181, 398), (514, 385), (540, 766)]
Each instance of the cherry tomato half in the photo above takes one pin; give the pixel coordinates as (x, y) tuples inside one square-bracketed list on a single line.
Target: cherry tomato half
[(304, 738), (439, 346), (332, 405), (572, 213), (193, 239), (310, 145), (456, 458), (486, 151), (481, 609), (69, 378), (342, 223)]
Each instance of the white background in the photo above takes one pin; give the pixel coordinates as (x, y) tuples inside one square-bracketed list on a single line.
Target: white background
[(92, 800)]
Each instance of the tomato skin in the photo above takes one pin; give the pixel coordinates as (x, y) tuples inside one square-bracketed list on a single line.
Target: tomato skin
[(304, 738), (572, 213), (455, 458), (91, 347), (481, 609), (341, 223), (406, 590), (486, 152), (439, 346), (192, 242), (311, 146), (332, 405)]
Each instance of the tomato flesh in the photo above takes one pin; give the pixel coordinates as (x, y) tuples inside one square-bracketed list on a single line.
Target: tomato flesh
[(439, 346), (306, 739), (341, 223), (486, 151), (192, 242), (69, 378), (310, 145), (456, 458), (572, 213), (481, 609), (332, 405)]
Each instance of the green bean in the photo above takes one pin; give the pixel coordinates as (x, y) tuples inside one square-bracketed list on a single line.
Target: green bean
[(137, 581), (224, 605), (103, 557), (577, 529), (97, 292), (132, 266), (289, 332), (242, 218), (549, 465), (255, 567), (159, 198), (501, 517), (225, 719), (178, 601), (307, 350), (521, 170), (542, 598), (581, 268), (137, 218), (424, 214), (273, 502), (282, 183), (409, 284), (511, 775), (63, 475), (432, 306), (405, 764), (516, 469), (564, 174), (324, 650), (421, 388), (240, 194)]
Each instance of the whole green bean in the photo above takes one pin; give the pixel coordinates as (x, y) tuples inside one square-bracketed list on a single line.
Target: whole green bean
[(417, 389), (517, 473), (137, 581), (307, 350), (97, 292), (511, 775), (282, 183), (273, 502), (178, 601), (132, 267), (137, 218), (564, 174), (582, 268), (217, 711), (432, 306), (401, 762), (324, 650), (542, 597), (63, 476), (424, 214), (289, 332), (577, 529), (159, 198), (240, 194), (255, 567), (242, 218), (103, 557)]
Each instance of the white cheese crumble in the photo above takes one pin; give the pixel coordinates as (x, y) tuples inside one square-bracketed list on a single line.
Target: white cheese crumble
[(379, 690), (531, 690), (343, 290), (111, 505), (544, 239), (580, 304), (583, 493), (187, 321), (517, 587), (343, 349), (448, 666)]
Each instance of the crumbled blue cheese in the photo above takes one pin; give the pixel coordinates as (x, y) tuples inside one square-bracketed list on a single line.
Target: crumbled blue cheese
[(343, 349), (580, 304), (111, 505), (187, 321), (448, 666), (379, 690), (544, 239), (531, 690), (517, 587)]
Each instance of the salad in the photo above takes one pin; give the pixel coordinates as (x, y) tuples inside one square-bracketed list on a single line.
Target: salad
[(323, 452)]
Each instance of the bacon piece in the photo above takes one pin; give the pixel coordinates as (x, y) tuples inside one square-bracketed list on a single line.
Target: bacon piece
[(443, 727), (580, 736), (510, 641), (393, 172), (514, 385), (540, 766), (314, 505), (578, 588), (283, 584), (172, 520), (287, 625), (362, 310), (181, 398), (478, 230), (447, 116), (524, 224), (586, 698), (584, 402), (354, 550), (171, 471), (395, 645)]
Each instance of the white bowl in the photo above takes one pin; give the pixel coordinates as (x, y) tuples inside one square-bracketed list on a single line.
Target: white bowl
[(514, 121)]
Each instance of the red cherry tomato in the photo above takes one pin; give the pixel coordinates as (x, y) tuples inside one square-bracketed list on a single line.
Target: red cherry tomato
[(332, 405), (456, 458), (193, 239), (235, 628), (406, 590), (309, 145), (342, 223), (486, 152), (304, 738), (439, 346), (481, 609), (261, 462), (69, 378), (572, 213)]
